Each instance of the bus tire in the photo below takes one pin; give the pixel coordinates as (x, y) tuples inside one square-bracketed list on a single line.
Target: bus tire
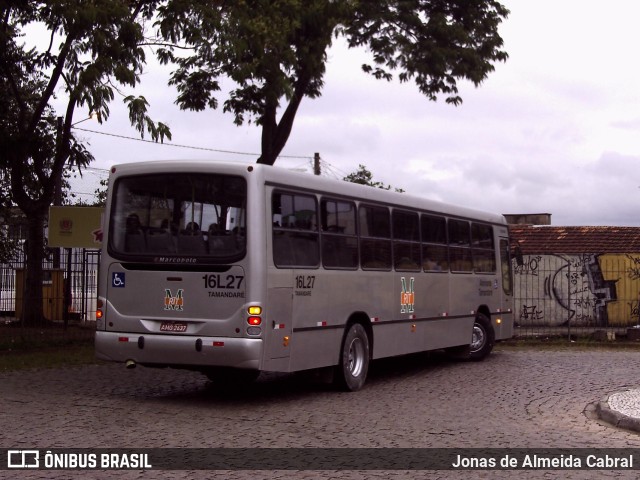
[(354, 359), (482, 338)]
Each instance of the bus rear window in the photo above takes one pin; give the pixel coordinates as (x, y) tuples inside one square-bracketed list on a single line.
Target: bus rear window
[(181, 214)]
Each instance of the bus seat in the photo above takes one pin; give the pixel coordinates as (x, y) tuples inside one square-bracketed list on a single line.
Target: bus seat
[(191, 244), (282, 249), (222, 245), (134, 242), (160, 241), (305, 251), (134, 236)]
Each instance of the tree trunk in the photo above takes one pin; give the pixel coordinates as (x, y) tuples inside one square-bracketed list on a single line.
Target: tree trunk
[(32, 311), (275, 134)]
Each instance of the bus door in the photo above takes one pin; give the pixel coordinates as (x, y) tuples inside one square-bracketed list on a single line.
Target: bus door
[(507, 287), (279, 326)]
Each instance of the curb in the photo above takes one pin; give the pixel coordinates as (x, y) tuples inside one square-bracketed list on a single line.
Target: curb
[(616, 418)]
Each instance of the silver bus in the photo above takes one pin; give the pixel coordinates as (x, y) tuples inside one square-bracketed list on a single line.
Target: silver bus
[(233, 269)]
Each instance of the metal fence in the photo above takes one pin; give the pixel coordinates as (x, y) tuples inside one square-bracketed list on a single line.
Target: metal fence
[(69, 293), (578, 295)]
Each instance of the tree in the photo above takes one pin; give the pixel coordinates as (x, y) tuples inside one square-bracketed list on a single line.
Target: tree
[(274, 51), (90, 49), (8, 245), (362, 176)]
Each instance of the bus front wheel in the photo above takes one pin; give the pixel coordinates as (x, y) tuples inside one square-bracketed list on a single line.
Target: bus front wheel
[(354, 359), (482, 338)]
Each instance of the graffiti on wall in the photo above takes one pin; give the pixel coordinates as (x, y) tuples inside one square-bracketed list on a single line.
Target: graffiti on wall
[(579, 290)]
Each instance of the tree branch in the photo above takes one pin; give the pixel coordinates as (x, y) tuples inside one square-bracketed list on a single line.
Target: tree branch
[(53, 81)]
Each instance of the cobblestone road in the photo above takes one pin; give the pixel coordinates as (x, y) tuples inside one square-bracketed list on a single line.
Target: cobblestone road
[(515, 398)]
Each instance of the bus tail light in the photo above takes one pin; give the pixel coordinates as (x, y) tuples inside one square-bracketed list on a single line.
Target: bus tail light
[(254, 320), (99, 312)]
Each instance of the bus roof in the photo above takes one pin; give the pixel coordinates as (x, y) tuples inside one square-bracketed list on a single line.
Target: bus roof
[(283, 177)]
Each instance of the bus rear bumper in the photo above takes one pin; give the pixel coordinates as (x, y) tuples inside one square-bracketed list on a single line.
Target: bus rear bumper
[(179, 351)]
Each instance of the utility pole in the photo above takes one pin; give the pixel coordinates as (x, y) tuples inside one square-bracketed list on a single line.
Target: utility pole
[(316, 163)]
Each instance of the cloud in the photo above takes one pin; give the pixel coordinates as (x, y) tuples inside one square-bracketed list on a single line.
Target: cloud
[(552, 130)]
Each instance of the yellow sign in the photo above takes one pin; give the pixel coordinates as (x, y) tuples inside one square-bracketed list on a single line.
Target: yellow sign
[(75, 227)]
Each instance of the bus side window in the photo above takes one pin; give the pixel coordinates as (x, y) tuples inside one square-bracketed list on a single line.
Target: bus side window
[(339, 240), (375, 238), (460, 246), (295, 230), (483, 250), (406, 241), (435, 252)]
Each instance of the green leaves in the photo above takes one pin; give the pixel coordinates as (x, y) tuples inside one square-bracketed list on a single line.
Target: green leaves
[(362, 176), (93, 49), (142, 122), (274, 51), (434, 43)]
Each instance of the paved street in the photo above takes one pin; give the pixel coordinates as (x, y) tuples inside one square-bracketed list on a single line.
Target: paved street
[(516, 398)]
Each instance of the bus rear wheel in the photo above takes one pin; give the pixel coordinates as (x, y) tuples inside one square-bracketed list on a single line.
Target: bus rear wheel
[(354, 359), (482, 338)]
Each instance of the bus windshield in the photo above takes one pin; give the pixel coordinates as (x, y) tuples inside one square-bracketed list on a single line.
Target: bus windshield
[(181, 214)]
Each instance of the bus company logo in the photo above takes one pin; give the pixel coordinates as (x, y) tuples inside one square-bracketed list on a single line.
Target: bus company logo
[(407, 296), (172, 302), (23, 458)]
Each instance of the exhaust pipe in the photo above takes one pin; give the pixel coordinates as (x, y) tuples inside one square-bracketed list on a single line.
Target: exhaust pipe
[(129, 364)]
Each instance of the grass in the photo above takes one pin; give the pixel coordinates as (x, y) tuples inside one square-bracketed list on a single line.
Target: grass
[(49, 345), (76, 353)]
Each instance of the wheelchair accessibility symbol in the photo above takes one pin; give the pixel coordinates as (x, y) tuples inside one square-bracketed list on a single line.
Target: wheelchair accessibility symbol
[(117, 280)]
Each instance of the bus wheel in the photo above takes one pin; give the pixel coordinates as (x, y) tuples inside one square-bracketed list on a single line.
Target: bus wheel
[(354, 359), (482, 338)]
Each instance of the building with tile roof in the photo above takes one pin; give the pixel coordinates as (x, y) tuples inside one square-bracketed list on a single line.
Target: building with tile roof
[(577, 276)]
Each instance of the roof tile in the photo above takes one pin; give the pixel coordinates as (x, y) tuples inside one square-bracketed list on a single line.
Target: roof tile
[(575, 240)]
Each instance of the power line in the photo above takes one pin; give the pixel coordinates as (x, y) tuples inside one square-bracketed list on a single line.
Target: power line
[(334, 171), (184, 146)]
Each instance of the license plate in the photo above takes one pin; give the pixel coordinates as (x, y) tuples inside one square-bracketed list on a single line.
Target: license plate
[(173, 327)]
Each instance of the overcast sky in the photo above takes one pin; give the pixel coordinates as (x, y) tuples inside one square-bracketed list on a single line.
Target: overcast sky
[(554, 130)]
